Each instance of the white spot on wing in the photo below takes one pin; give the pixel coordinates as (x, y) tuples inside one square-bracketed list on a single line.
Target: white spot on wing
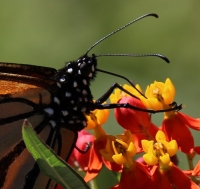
[(75, 84), (53, 123), (58, 84), (65, 112), (50, 111), (67, 94), (56, 100)]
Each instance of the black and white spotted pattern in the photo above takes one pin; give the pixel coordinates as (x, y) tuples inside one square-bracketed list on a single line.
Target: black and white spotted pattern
[(73, 98)]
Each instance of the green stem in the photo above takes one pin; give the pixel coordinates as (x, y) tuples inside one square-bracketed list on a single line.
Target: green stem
[(93, 184), (190, 158)]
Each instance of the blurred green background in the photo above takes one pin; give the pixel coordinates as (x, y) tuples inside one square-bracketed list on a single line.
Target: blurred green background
[(51, 32)]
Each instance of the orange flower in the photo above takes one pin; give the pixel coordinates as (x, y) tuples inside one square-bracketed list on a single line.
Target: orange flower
[(165, 174), (95, 160), (121, 150), (160, 96)]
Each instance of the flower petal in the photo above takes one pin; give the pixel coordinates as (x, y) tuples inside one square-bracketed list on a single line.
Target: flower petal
[(180, 179), (167, 96), (150, 159), (106, 155), (196, 169), (146, 145), (160, 136), (148, 93), (173, 148), (160, 179), (193, 123), (114, 98), (119, 159), (137, 177), (175, 128), (165, 159), (127, 137), (112, 166), (153, 103), (131, 151), (102, 116), (197, 149), (94, 165), (170, 85)]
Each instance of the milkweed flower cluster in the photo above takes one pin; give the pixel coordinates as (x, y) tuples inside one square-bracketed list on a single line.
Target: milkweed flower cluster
[(158, 145)]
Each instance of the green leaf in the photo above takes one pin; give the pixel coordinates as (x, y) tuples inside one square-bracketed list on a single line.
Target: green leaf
[(50, 164)]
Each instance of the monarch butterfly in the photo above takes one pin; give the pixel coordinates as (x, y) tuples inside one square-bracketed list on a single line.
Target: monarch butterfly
[(55, 102)]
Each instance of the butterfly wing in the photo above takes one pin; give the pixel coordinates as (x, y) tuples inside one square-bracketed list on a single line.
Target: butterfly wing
[(24, 92)]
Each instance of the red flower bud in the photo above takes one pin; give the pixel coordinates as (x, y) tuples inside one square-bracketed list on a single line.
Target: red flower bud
[(133, 120)]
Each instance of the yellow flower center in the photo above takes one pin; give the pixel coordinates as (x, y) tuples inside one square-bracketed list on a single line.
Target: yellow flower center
[(119, 148), (158, 95), (159, 149)]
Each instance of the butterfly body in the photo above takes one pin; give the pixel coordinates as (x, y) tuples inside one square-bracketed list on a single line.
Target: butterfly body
[(74, 96)]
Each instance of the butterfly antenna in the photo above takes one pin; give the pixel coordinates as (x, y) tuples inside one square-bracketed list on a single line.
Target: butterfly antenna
[(137, 55), (121, 28)]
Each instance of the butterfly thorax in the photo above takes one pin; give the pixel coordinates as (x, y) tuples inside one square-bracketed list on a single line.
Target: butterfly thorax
[(73, 98)]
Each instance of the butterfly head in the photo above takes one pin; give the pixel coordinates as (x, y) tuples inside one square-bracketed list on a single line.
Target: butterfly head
[(87, 66)]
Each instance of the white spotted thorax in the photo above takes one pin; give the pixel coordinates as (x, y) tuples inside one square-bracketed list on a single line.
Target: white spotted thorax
[(73, 98)]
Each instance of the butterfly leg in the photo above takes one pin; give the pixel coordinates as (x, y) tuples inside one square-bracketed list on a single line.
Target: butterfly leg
[(107, 94), (99, 102), (87, 148)]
